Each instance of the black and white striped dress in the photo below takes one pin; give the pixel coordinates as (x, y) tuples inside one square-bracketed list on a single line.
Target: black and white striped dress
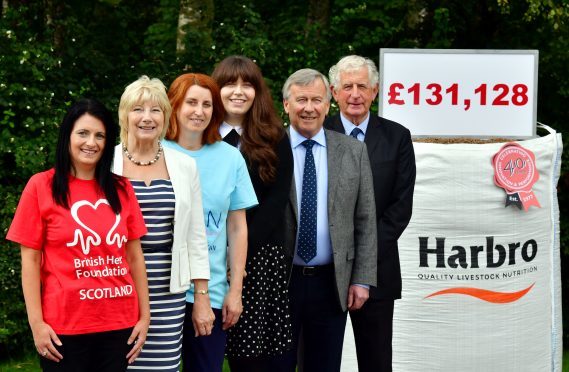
[(163, 347)]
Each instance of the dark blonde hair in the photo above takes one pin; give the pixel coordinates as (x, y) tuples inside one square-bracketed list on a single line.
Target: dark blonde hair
[(177, 94), (262, 128), (142, 90)]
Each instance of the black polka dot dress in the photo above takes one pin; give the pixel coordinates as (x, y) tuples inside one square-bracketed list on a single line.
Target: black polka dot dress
[(264, 328)]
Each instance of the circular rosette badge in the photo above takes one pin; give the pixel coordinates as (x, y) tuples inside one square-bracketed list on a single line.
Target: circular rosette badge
[(515, 172)]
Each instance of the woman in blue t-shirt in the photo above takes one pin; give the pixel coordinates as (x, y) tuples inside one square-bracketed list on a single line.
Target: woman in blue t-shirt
[(227, 192)]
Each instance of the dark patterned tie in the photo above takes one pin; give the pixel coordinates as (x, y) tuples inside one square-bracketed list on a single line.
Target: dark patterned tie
[(355, 132), (232, 138), (307, 228)]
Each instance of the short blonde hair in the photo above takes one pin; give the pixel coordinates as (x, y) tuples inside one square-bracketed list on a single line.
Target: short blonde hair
[(143, 90)]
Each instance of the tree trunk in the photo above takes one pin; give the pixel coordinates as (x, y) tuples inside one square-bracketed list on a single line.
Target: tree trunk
[(318, 15), (197, 14), (53, 16)]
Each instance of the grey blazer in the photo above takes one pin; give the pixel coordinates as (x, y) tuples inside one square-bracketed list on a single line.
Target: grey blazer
[(351, 214)]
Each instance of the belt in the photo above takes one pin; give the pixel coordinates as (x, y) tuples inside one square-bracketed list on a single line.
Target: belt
[(313, 270)]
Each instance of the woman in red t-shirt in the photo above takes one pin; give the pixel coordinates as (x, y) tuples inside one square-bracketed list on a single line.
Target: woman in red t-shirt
[(83, 272)]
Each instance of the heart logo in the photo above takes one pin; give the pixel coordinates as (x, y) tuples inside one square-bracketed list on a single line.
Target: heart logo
[(93, 239)]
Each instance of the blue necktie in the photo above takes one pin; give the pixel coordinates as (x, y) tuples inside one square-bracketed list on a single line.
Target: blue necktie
[(355, 132), (307, 228)]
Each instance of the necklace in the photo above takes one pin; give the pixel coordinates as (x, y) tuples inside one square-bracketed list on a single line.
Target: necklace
[(145, 163)]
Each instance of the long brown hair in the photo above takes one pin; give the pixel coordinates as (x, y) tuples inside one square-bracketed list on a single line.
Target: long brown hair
[(177, 94), (262, 128)]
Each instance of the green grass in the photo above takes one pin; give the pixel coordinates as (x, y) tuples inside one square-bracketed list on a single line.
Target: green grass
[(30, 363)]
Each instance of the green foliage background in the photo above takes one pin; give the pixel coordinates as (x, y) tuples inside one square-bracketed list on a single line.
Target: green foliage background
[(54, 51)]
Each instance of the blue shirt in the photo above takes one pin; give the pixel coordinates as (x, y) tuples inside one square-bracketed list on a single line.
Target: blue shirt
[(349, 126), (323, 242), (226, 186)]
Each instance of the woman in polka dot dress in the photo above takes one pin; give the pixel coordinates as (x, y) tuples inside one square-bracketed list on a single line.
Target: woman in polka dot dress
[(264, 330)]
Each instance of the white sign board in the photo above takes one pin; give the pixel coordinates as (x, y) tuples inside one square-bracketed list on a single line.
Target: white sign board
[(460, 93)]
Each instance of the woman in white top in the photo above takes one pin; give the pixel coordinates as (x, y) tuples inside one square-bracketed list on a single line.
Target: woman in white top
[(167, 187)]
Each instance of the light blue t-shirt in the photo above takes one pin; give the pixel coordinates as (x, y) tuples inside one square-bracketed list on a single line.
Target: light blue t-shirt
[(226, 186)]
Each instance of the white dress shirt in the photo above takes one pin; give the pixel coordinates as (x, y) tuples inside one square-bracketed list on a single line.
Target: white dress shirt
[(225, 128)]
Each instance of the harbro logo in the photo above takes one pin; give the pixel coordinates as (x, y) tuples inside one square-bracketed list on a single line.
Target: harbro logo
[(457, 264), (493, 255)]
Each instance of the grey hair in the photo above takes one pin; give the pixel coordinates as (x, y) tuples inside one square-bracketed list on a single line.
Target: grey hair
[(353, 63), (304, 77)]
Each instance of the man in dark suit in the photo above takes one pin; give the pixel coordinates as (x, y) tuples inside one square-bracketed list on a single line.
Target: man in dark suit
[(330, 225), (354, 82)]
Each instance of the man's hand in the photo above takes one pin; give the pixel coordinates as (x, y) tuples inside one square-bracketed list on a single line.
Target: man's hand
[(357, 296)]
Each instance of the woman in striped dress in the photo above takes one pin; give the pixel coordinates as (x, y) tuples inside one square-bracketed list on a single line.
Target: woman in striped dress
[(167, 187)]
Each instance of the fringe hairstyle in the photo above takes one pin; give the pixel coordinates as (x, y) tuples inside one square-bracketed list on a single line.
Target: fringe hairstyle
[(107, 181), (262, 128), (177, 94)]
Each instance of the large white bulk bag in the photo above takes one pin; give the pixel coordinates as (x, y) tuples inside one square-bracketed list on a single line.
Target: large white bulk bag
[(489, 299)]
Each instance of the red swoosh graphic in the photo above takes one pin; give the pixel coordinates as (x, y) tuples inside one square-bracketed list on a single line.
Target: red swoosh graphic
[(484, 294)]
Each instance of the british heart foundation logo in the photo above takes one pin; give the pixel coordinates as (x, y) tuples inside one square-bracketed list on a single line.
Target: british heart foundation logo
[(516, 173), (94, 214)]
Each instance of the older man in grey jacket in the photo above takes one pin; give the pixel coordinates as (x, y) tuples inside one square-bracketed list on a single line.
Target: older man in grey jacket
[(330, 220)]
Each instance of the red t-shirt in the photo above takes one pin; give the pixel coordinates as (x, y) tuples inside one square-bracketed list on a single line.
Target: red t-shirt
[(85, 278)]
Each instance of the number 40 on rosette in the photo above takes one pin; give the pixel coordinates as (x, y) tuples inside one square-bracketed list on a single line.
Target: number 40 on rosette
[(516, 173)]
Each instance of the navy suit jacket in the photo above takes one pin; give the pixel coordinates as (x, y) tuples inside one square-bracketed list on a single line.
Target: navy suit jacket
[(392, 160)]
